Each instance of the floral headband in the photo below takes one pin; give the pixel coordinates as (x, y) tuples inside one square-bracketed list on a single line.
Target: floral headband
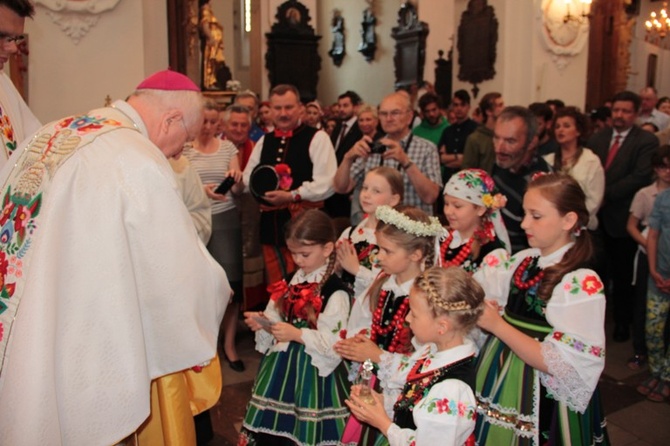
[(401, 221), (477, 187)]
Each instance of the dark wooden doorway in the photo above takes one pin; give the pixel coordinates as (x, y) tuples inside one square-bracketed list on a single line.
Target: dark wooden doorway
[(610, 36)]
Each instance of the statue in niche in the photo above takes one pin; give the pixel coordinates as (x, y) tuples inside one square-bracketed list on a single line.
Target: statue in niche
[(477, 39), (369, 44), (215, 72), (337, 51)]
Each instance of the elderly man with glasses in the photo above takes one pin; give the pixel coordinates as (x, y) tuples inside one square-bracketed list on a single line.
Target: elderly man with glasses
[(416, 158), (17, 122)]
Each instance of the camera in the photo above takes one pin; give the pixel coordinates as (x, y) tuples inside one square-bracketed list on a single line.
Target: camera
[(378, 147), (225, 186)]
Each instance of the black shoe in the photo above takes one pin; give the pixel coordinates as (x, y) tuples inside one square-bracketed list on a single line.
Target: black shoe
[(237, 366), (621, 334)]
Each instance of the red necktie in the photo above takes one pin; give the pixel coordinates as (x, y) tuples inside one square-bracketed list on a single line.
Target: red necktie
[(613, 151), (283, 134)]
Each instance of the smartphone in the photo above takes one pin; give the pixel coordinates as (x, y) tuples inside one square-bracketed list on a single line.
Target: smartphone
[(225, 186), (263, 322)]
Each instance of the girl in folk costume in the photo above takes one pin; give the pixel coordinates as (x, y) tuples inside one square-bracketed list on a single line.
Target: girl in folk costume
[(406, 238), (538, 371), (298, 396), (476, 230), (357, 246), (433, 390)]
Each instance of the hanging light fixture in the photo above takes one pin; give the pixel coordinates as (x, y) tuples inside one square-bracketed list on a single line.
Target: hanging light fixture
[(658, 22), (582, 16)]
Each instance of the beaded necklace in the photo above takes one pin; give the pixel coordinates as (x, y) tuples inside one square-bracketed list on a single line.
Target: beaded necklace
[(519, 273), (401, 333), (462, 254)]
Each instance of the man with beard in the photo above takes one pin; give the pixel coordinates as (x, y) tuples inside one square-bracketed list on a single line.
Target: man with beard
[(625, 151), (432, 122), (514, 136), (307, 164)]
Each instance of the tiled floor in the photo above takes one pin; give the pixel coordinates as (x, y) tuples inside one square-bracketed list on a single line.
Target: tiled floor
[(632, 420)]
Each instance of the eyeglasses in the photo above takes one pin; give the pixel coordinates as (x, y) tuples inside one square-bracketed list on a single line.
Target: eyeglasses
[(183, 124), (7, 39), (391, 114)]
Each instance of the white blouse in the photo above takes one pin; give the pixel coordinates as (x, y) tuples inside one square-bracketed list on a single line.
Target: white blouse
[(574, 350), (319, 341), (446, 415)]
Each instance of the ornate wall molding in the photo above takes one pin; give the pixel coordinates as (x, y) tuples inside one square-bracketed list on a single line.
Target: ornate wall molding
[(76, 17), (563, 40)]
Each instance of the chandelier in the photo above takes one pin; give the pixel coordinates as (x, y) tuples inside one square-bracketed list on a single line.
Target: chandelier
[(582, 17), (658, 23)]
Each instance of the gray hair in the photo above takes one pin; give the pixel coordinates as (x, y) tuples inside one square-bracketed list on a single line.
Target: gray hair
[(236, 108), (190, 103), (527, 116)]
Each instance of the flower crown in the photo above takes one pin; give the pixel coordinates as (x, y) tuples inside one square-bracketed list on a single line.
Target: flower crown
[(401, 221)]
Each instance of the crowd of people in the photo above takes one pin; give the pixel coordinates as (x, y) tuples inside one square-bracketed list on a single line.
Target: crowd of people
[(414, 275)]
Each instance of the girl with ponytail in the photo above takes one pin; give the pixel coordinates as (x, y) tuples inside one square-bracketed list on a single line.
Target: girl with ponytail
[(538, 371), (298, 397)]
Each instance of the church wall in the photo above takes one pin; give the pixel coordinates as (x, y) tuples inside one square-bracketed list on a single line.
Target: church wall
[(125, 45), (525, 70)]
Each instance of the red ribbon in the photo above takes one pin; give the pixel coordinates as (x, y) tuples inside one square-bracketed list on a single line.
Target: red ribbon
[(283, 133), (277, 290)]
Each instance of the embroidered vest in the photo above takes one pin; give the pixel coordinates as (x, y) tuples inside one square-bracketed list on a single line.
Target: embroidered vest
[(24, 192), (294, 152)]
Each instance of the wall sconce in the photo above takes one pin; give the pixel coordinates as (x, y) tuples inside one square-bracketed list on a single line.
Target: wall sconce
[(582, 17), (658, 23)]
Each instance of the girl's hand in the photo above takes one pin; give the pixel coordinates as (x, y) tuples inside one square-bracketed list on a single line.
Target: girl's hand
[(490, 318), (373, 414), (249, 319), (285, 332), (209, 191), (359, 348), (347, 257)]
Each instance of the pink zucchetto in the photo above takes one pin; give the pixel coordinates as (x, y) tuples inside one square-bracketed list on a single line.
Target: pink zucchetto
[(168, 80)]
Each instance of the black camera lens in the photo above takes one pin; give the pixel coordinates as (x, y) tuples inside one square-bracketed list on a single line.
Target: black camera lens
[(378, 147)]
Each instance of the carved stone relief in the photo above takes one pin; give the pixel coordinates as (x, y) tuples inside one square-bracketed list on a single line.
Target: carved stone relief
[(76, 17)]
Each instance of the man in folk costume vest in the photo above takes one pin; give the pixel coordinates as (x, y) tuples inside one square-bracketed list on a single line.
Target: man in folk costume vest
[(101, 256), (17, 122), (305, 161)]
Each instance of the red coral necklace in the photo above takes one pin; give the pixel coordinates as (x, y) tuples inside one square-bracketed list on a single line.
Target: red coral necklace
[(396, 325), (462, 254), (518, 275)]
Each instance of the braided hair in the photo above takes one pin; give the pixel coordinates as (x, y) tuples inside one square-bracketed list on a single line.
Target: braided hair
[(454, 293)]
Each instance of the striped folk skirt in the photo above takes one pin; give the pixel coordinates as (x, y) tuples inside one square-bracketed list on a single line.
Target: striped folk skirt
[(514, 408), (291, 401)]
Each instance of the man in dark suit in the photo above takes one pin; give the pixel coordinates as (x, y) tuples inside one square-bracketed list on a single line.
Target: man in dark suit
[(345, 135), (625, 151)]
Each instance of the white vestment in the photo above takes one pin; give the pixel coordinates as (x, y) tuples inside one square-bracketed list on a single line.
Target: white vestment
[(16, 111), (118, 290)]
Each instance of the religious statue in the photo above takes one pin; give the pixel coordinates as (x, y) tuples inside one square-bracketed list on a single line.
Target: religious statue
[(215, 73), (337, 26), (368, 45)]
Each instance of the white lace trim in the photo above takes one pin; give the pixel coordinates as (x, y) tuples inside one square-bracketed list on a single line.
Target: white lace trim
[(563, 382), (386, 370)]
